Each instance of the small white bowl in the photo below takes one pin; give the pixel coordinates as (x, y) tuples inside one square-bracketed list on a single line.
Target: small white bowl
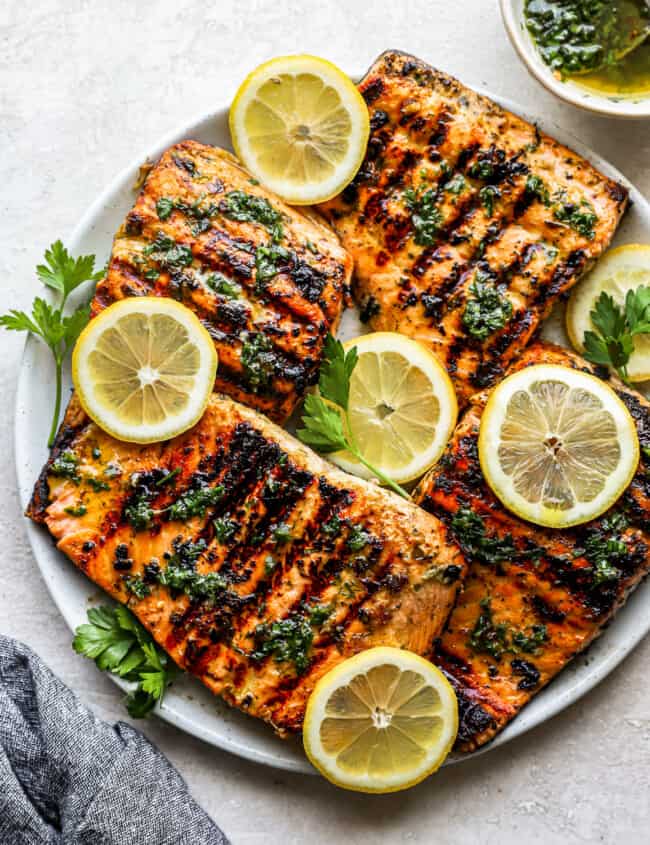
[(607, 104)]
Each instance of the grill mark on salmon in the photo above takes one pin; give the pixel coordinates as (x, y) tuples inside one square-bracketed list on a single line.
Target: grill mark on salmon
[(361, 566), (430, 133), (545, 578)]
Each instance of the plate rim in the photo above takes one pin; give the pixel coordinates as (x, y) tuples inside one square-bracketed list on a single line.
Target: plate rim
[(519, 726)]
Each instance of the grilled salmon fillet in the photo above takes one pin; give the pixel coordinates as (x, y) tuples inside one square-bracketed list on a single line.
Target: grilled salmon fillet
[(254, 563), (533, 597), (267, 281), (465, 222)]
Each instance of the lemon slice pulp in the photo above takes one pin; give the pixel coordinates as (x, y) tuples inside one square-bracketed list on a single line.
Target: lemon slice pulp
[(300, 125), (381, 721), (556, 445), (619, 271), (144, 369), (402, 407)]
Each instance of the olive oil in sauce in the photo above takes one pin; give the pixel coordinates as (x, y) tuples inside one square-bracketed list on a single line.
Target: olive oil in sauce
[(601, 45)]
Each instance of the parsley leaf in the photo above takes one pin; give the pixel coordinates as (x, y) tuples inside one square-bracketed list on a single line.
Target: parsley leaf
[(323, 429), (335, 371), (323, 420), (56, 331), (613, 341), (63, 273), (116, 641)]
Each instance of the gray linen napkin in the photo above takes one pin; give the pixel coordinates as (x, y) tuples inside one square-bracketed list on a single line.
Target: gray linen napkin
[(67, 777)]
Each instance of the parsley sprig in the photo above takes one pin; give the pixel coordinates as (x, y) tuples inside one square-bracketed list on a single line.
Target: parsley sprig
[(61, 273), (323, 424), (616, 327), (116, 641)]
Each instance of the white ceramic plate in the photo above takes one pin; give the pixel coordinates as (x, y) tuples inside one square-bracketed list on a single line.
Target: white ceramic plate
[(188, 705)]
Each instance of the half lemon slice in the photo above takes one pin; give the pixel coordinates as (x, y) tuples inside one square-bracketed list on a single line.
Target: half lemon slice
[(300, 125), (381, 721), (556, 445), (402, 407), (144, 369), (619, 271)]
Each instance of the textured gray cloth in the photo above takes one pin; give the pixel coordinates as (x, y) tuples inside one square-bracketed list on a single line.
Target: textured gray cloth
[(67, 777)]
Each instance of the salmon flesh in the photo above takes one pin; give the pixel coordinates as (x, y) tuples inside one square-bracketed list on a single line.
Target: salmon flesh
[(255, 564), (533, 597), (465, 222)]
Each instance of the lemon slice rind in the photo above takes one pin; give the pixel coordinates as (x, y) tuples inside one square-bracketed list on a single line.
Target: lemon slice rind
[(619, 270), (288, 121), (187, 370), (434, 734), (490, 439), (440, 397)]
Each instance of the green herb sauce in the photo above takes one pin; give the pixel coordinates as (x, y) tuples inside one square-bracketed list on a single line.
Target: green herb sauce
[(497, 638), (486, 309), (258, 361), (426, 217), (248, 208), (598, 44)]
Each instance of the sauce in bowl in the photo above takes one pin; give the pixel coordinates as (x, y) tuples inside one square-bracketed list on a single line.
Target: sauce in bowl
[(600, 45)]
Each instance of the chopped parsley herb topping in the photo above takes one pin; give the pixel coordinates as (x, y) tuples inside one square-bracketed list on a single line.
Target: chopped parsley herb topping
[(535, 187), (270, 564), (138, 511), (488, 195), (197, 211), (164, 208), (258, 360), (221, 284), (269, 261), (97, 484), (78, 510), (486, 310), (168, 254), (180, 573), (579, 217), (357, 539), (332, 527), (469, 531), (289, 640), (167, 477), (195, 501), (248, 208), (136, 586), (605, 550), (224, 529), (426, 217), (470, 534), (496, 639), (282, 533), (482, 169), (456, 185), (66, 465)]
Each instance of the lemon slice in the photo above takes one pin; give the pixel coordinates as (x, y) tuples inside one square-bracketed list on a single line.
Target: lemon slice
[(620, 270), (300, 125), (556, 445), (381, 721), (401, 410), (144, 369)]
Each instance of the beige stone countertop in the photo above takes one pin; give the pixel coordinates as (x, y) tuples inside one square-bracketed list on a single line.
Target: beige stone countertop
[(85, 85)]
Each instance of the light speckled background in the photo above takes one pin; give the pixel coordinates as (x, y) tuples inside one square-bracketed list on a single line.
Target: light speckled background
[(84, 86)]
